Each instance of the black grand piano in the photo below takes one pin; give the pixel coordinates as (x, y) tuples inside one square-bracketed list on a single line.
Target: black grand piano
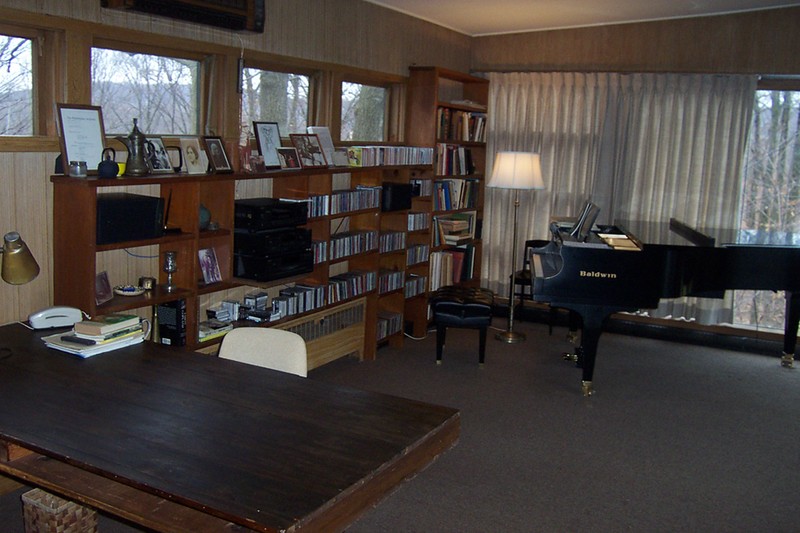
[(609, 269)]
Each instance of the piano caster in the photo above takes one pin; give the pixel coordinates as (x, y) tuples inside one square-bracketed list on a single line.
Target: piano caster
[(586, 386), (572, 337), (787, 360), (566, 356)]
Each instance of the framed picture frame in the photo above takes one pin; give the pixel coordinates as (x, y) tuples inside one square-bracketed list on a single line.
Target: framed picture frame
[(209, 265), (268, 139), (102, 288), (82, 135), (289, 158), (309, 150), (158, 158), (194, 157), (217, 157)]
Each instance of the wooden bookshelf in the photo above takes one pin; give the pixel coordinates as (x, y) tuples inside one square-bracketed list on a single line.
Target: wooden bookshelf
[(446, 110)]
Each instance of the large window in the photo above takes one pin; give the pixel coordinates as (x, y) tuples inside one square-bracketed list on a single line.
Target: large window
[(280, 97), (162, 92), (363, 112), (771, 195), (16, 86)]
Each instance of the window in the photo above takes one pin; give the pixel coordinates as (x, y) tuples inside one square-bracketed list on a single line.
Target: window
[(281, 97), (162, 92), (771, 195), (363, 112), (16, 86)]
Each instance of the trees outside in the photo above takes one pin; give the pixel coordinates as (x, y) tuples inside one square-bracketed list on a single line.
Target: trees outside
[(16, 86), (162, 92), (280, 97), (363, 112), (770, 195)]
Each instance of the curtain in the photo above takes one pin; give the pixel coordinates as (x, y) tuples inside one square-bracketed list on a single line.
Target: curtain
[(645, 147)]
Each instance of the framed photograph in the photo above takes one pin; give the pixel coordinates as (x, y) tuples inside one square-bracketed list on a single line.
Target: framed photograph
[(209, 265), (269, 140), (102, 288), (157, 156), (289, 158), (193, 156), (82, 135), (215, 149), (309, 150)]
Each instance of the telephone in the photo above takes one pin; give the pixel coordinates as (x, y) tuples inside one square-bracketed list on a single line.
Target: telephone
[(55, 317)]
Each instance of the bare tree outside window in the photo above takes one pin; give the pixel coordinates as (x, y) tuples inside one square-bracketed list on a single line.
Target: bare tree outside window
[(770, 196), (162, 92), (280, 97), (363, 112), (16, 86)]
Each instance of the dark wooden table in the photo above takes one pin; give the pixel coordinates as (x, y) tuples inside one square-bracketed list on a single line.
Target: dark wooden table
[(179, 441)]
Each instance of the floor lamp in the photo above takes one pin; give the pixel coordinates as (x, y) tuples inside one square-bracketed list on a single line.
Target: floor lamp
[(517, 171)]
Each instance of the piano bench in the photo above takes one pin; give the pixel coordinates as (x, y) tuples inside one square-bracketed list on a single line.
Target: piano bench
[(461, 307)]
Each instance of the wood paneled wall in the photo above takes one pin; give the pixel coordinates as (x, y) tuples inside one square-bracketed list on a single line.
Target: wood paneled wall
[(758, 42), (344, 33)]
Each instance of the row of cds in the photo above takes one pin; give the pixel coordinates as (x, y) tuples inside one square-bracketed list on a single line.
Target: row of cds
[(350, 284), (392, 241), (352, 242), (418, 221), (371, 156), (390, 280), (362, 197), (418, 253), (388, 324), (415, 285)]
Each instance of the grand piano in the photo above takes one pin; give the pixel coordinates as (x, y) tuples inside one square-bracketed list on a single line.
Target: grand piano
[(610, 269)]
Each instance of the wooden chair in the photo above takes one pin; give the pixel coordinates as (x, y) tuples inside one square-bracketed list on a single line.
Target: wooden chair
[(266, 347)]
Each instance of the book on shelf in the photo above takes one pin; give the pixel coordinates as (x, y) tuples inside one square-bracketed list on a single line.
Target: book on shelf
[(172, 322), (84, 348), (101, 325), (212, 329)]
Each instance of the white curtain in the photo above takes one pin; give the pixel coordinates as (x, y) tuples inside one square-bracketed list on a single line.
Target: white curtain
[(644, 146)]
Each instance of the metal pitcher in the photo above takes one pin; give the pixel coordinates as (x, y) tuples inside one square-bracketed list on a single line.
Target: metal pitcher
[(136, 165)]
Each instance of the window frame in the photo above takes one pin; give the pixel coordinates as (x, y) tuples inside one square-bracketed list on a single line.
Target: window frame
[(45, 71), (313, 74), (204, 79)]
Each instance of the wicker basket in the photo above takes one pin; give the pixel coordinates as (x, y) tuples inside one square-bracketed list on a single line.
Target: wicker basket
[(45, 513)]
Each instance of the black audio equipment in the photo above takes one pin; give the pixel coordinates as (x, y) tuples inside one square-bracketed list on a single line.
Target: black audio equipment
[(396, 196), (273, 242), (258, 214), (128, 217), (272, 267)]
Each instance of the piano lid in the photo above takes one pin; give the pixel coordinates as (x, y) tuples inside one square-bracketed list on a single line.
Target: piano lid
[(677, 233)]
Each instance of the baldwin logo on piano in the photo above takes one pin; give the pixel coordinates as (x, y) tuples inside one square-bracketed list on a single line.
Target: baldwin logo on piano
[(595, 274)]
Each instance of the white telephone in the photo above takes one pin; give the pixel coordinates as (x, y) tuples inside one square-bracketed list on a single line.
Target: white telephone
[(55, 317)]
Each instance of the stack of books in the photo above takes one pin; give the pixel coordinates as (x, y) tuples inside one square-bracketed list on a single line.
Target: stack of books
[(98, 335)]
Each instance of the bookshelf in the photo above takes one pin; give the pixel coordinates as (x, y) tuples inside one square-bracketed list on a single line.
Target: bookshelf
[(346, 225), (446, 111)]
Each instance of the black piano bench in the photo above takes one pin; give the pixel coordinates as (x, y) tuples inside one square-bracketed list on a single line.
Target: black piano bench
[(461, 307)]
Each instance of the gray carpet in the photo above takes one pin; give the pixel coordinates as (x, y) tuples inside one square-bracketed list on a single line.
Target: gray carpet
[(677, 438)]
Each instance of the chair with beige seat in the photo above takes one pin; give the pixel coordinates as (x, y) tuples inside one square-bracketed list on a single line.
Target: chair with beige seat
[(266, 347)]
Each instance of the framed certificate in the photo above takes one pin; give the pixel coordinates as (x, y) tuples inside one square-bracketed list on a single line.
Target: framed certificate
[(82, 135)]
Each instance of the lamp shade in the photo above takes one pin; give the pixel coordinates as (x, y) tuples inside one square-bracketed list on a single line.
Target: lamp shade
[(19, 266), (516, 170)]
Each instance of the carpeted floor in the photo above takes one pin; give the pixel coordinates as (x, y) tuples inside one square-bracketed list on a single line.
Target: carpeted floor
[(677, 438)]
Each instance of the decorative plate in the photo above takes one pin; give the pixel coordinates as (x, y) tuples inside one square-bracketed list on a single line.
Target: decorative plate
[(128, 290)]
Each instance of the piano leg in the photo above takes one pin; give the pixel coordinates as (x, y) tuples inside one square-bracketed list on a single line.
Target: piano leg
[(791, 321), (587, 353)]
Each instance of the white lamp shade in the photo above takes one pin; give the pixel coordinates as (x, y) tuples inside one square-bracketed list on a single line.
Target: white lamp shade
[(516, 170)]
